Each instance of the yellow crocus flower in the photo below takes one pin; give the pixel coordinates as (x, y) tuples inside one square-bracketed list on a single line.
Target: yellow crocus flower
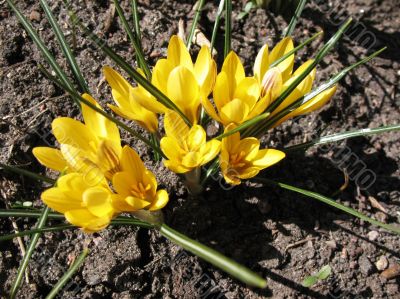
[(133, 103), (83, 204), (182, 81), (242, 158), (186, 148), (136, 186), (92, 148)]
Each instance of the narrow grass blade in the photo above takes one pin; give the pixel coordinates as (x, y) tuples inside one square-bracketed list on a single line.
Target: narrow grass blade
[(320, 55), (55, 228), (342, 136), (131, 71), (25, 260), (120, 220), (243, 126), (210, 171), (332, 203), (27, 173), (299, 47), (119, 123), (135, 15), (134, 41), (216, 23), (228, 27), (292, 25), (42, 47), (194, 24), (71, 271), (214, 257), (65, 47)]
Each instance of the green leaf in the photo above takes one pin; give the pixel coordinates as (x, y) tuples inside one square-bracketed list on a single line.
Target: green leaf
[(292, 25), (134, 41), (25, 259), (55, 228), (65, 47), (135, 15), (27, 173), (332, 203), (216, 23), (309, 281), (324, 272), (194, 24), (214, 257), (228, 27), (71, 271), (342, 136)]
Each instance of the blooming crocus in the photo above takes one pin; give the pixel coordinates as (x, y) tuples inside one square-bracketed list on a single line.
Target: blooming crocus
[(186, 148), (262, 73), (182, 81), (133, 103), (136, 186), (92, 148), (82, 203), (243, 159)]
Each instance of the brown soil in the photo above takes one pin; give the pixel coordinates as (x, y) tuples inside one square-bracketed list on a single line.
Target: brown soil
[(254, 224)]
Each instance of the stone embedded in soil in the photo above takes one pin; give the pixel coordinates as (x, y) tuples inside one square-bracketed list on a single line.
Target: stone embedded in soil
[(365, 265), (373, 235), (382, 263), (392, 272)]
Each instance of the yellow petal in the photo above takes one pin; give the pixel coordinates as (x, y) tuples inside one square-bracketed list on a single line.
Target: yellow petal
[(160, 201), (131, 163), (261, 64), (86, 220), (286, 66), (183, 90), (72, 132), (316, 102), (234, 68), (175, 126), (223, 92), (123, 182), (60, 201), (146, 100), (248, 173), (303, 67), (210, 150), (136, 203), (234, 112), (160, 75), (230, 143), (205, 70), (178, 53), (249, 146), (50, 157), (191, 160), (120, 87), (196, 138), (207, 105), (97, 123), (98, 201), (176, 167), (248, 91), (171, 148), (267, 157)]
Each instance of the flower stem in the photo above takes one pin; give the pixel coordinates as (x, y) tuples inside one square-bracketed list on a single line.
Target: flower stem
[(192, 181), (214, 257)]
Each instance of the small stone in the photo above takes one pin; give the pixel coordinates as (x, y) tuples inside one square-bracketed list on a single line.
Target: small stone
[(35, 16), (392, 272), (382, 217), (382, 263), (344, 254), (365, 265), (373, 235), (331, 243)]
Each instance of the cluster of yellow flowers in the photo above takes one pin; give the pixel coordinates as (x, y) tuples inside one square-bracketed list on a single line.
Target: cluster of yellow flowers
[(102, 179)]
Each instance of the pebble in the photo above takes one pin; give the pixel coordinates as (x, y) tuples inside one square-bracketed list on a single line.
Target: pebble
[(331, 244), (392, 272), (365, 265), (373, 235), (382, 263), (35, 16)]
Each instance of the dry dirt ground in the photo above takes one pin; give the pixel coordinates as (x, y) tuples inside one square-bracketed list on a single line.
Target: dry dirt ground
[(281, 235)]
